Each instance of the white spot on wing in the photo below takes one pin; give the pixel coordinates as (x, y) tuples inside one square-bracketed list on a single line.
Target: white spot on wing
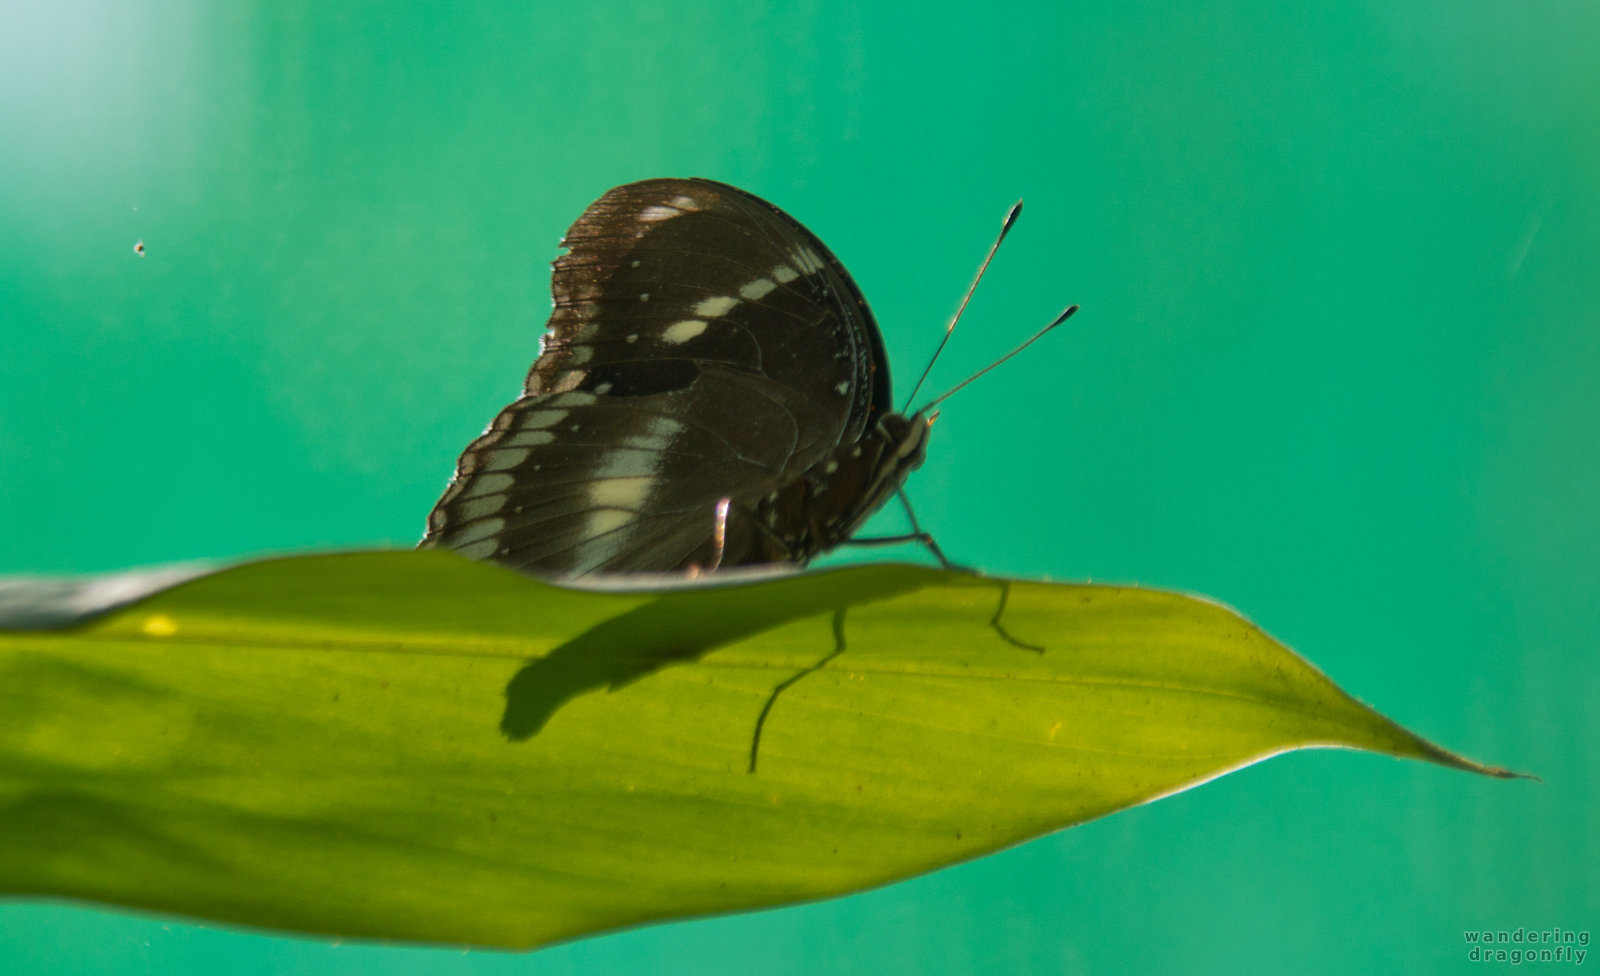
[(627, 462), (784, 274), (621, 492), (620, 487), (572, 398), (535, 419), (488, 484), (683, 203), (681, 332), (503, 460), (578, 355), (807, 260), (479, 507), (487, 530), (605, 521), (530, 438), (600, 545), (569, 380), (759, 288), (713, 307), (657, 435), (481, 549), (658, 212), (644, 296), (842, 388)]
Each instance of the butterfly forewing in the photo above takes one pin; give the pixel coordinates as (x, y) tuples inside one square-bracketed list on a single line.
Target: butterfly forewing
[(703, 345)]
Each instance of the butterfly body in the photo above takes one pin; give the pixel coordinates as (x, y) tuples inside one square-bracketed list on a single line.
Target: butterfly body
[(712, 392), (827, 504)]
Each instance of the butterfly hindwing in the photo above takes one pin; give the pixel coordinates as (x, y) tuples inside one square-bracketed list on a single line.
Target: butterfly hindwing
[(703, 345)]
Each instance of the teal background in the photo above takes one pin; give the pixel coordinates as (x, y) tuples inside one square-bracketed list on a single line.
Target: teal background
[(1338, 365)]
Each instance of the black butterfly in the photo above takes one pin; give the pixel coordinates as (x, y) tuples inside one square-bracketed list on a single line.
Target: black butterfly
[(712, 392)]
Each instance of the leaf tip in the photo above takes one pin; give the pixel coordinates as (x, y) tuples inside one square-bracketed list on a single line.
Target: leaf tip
[(1445, 757)]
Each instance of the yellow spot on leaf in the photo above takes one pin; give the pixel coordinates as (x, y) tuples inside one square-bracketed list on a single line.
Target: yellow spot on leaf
[(160, 625)]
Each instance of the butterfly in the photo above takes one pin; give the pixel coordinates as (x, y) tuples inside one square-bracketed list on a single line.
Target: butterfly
[(712, 392)]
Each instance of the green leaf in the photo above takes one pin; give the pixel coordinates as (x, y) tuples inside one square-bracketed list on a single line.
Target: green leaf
[(413, 746)]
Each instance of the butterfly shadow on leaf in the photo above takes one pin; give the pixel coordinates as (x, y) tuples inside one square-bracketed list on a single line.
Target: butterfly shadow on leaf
[(685, 625)]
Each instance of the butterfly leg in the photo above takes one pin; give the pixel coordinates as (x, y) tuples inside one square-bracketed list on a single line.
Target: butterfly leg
[(923, 537), (1005, 585), (761, 721), (916, 535)]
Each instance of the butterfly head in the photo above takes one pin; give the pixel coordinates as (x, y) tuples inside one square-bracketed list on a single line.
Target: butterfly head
[(907, 438), (894, 447)]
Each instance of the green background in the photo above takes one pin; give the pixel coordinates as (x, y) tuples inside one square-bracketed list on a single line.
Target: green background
[(1338, 366)]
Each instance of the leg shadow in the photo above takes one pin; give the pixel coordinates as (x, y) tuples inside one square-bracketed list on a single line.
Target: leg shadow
[(684, 625), (761, 721)]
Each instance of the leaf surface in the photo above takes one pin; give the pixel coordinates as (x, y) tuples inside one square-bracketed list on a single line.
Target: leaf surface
[(412, 746)]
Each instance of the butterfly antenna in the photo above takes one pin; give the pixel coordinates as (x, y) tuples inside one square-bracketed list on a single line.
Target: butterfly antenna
[(1005, 228), (959, 386)]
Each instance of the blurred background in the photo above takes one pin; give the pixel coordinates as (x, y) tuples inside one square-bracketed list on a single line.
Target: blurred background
[(1338, 366)]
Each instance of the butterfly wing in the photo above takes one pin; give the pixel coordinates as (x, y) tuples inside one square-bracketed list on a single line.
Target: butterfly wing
[(704, 345)]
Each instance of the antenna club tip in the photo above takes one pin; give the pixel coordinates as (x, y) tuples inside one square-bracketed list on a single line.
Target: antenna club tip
[(1011, 216), (1071, 309)]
